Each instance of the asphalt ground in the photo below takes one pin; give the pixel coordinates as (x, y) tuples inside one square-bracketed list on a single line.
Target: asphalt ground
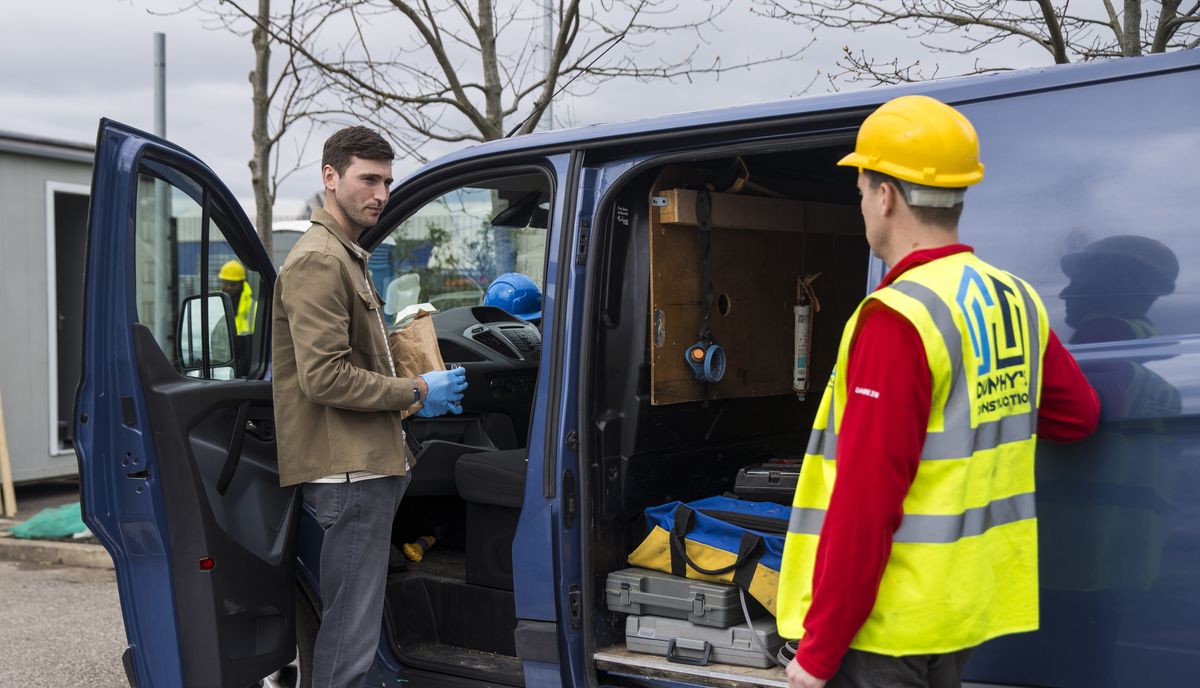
[(60, 626), (60, 618)]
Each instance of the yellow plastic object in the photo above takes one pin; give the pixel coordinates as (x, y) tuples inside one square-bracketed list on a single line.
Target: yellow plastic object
[(920, 140), (415, 551), (232, 271)]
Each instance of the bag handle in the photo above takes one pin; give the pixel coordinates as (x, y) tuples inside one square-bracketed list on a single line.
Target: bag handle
[(747, 556)]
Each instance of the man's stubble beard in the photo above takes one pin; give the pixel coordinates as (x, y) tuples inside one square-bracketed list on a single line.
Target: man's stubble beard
[(359, 217)]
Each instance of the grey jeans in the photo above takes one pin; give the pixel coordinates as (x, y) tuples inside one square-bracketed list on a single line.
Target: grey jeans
[(869, 670), (357, 518)]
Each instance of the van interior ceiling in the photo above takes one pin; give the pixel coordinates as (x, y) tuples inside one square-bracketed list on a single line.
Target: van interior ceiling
[(661, 435)]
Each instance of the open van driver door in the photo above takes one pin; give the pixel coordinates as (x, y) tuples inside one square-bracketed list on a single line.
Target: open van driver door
[(174, 423)]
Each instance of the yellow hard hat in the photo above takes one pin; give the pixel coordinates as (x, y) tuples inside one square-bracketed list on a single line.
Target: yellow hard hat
[(919, 140), (232, 272)]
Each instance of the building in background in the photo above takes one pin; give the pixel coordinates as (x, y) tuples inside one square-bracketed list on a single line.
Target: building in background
[(44, 187)]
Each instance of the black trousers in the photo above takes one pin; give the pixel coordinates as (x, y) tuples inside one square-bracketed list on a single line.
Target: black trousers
[(868, 670)]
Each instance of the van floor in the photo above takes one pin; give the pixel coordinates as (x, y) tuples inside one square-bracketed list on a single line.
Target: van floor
[(616, 659), (439, 622)]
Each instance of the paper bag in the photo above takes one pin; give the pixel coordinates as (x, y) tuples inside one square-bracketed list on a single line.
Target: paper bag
[(415, 349)]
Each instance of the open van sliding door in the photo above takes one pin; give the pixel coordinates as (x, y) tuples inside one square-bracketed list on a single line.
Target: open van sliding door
[(174, 421)]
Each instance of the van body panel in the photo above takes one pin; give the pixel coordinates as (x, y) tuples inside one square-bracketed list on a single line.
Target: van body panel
[(1068, 170), (537, 540)]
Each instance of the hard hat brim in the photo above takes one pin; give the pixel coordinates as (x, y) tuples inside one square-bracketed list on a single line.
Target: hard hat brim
[(855, 159), (945, 181)]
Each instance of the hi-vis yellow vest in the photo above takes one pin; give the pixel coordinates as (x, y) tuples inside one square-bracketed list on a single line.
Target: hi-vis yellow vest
[(963, 567), (247, 311)]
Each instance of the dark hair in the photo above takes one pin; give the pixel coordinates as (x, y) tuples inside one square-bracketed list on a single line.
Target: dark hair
[(360, 142), (946, 218)]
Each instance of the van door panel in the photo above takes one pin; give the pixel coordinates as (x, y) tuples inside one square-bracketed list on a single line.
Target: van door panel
[(205, 579)]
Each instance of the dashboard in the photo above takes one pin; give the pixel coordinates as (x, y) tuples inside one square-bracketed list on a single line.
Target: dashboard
[(501, 354)]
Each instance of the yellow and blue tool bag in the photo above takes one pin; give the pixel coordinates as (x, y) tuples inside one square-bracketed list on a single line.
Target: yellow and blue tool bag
[(718, 539)]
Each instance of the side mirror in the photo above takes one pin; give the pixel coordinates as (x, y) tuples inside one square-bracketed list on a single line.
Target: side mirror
[(220, 335)]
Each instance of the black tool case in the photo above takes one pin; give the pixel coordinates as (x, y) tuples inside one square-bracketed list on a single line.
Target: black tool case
[(773, 481), (642, 591), (686, 643)]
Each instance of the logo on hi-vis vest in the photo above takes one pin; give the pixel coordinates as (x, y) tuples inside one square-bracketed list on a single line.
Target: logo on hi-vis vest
[(995, 319)]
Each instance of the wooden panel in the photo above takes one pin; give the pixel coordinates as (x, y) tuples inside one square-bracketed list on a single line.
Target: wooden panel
[(731, 211), (755, 269), (832, 218)]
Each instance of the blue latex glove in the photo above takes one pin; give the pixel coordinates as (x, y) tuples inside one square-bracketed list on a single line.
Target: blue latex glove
[(445, 395)]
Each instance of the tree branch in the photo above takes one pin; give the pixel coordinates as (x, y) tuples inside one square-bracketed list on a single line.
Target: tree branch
[(1056, 43)]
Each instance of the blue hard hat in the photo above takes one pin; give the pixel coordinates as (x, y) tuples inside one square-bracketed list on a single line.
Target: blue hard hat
[(515, 293)]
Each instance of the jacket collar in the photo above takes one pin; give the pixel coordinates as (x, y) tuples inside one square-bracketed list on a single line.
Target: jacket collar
[(320, 216), (921, 257)]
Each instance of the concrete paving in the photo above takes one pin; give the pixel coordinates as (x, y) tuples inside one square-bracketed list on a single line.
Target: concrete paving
[(55, 552), (61, 627)]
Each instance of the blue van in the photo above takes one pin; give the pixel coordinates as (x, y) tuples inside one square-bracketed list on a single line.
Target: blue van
[(575, 425)]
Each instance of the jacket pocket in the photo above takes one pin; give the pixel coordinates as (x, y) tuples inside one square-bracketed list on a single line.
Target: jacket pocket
[(368, 336), (368, 299)]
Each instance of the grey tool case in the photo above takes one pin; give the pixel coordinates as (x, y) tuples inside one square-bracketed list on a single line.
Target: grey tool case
[(687, 643), (773, 481), (642, 591)]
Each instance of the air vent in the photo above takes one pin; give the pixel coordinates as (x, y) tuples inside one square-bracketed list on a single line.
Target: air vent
[(527, 340), (491, 341)]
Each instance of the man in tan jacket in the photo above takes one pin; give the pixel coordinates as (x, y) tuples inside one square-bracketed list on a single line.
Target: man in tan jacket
[(339, 403)]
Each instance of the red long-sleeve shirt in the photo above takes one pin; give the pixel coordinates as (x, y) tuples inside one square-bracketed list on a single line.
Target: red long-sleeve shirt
[(878, 453)]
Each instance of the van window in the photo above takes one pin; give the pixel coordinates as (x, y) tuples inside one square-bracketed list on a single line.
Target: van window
[(172, 275), (1088, 195), (449, 251)]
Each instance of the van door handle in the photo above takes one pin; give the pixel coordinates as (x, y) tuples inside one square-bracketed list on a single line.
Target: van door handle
[(262, 429)]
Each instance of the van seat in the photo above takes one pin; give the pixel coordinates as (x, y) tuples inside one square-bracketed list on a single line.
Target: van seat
[(492, 477), (492, 483)]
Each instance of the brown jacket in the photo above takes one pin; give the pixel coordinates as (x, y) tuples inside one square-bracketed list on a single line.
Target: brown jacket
[(338, 401)]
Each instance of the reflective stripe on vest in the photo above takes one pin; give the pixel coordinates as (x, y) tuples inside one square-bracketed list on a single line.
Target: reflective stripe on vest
[(934, 528), (963, 566)]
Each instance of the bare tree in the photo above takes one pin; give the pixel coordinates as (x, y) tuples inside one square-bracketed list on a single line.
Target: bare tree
[(1066, 32), (451, 71), (284, 99)]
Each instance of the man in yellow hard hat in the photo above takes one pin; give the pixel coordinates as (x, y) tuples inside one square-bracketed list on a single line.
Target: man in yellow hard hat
[(913, 536), (233, 283)]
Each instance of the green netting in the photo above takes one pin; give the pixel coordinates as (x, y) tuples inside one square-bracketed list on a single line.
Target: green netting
[(58, 522)]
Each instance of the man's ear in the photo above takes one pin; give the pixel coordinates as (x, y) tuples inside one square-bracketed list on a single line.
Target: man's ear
[(330, 177), (887, 198)]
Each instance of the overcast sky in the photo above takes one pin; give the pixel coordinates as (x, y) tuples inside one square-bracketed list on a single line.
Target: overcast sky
[(68, 63)]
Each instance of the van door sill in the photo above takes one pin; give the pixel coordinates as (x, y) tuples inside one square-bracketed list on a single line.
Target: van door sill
[(619, 660)]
